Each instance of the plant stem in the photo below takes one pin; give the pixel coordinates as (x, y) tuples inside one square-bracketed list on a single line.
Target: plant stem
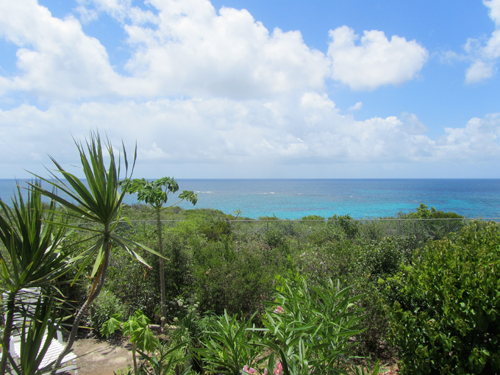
[(7, 332), (134, 359), (83, 309), (162, 268)]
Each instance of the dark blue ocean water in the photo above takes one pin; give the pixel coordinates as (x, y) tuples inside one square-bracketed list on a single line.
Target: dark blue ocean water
[(361, 198)]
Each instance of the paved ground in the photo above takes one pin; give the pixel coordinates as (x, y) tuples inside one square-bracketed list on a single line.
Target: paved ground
[(99, 357)]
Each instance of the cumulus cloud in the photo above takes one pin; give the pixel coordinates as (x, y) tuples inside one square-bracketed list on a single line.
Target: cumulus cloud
[(196, 51), (478, 140), (485, 56), (184, 48), (187, 48), (375, 61), (55, 57), (240, 134)]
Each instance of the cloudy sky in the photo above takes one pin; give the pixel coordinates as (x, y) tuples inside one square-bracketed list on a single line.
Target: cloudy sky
[(255, 88)]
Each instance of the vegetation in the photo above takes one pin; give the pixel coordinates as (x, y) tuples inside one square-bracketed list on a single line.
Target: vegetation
[(444, 306), (317, 296), (155, 193), (33, 258)]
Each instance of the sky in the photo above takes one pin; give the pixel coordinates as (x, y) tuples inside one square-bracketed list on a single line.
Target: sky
[(254, 88)]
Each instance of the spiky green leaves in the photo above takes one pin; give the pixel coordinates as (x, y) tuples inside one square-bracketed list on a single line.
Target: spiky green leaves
[(95, 201), (33, 255)]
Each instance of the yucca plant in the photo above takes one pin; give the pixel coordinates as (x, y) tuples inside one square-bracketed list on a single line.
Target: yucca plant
[(96, 203), (36, 335), (32, 258)]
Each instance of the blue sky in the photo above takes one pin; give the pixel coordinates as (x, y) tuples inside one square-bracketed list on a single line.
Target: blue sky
[(255, 89)]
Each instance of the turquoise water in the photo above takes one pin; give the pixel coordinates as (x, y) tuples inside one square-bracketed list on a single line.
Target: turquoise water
[(361, 198)]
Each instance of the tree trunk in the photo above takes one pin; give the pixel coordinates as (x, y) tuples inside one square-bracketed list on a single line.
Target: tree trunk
[(74, 329), (162, 269), (7, 332)]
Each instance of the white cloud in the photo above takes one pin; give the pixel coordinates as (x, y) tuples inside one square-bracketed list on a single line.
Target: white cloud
[(186, 49), (376, 61), (117, 9), (494, 10), (57, 59), (485, 56), (356, 107), (196, 51), (306, 129), (478, 140)]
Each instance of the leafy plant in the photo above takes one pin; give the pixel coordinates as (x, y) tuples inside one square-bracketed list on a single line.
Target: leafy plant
[(227, 347), (96, 204), (155, 193), (103, 308), (346, 222), (310, 328), (444, 309), (137, 328), (33, 258)]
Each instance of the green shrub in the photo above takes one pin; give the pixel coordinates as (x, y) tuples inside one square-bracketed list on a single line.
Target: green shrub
[(327, 233), (215, 228), (177, 273), (346, 222), (444, 309), (103, 308), (235, 279), (274, 238), (313, 217)]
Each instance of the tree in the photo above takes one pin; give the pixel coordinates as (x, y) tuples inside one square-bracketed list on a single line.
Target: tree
[(98, 204), (33, 259), (155, 193)]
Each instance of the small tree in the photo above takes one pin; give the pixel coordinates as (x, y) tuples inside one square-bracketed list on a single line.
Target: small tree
[(97, 203), (155, 193)]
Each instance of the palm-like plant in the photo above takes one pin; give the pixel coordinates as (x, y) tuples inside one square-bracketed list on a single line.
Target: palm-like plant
[(33, 257), (155, 193), (97, 204)]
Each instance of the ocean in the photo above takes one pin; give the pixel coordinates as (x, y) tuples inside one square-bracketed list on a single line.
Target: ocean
[(360, 198)]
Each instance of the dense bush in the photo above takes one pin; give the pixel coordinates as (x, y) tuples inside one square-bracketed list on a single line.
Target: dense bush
[(231, 278), (444, 309), (218, 265), (350, 226), (105, 306)]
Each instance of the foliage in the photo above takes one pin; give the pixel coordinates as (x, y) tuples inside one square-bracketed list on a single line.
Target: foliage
[(103, 308), (137, 328), (237, 279), (274, 238), (36, 334), (310, 328), (215, 227), (33, 258), (155, 193), (313, 217), (226, 347), (97, 204), (423, 212), (346, 222), (444, 309)]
